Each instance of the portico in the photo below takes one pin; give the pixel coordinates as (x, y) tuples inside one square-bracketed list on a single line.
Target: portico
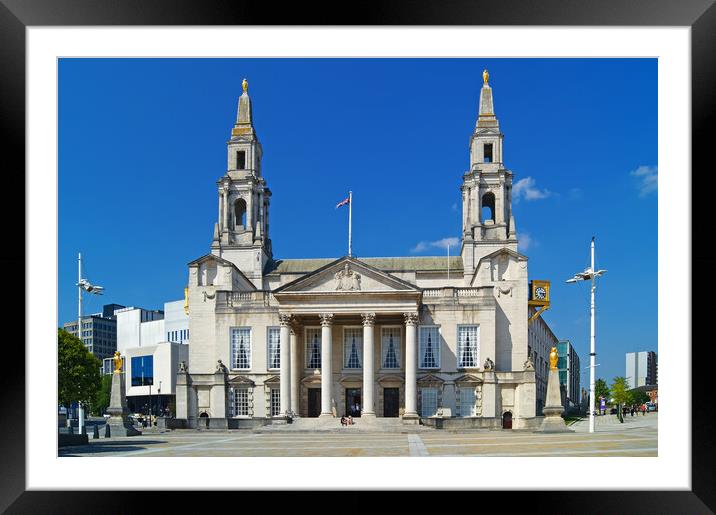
[(340, 309)]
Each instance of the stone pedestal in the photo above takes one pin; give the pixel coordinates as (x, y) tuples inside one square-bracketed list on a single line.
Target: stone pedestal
[(117, 422), (553, 421)]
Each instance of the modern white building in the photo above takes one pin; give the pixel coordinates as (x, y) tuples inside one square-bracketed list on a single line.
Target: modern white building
[(372, 337), (641, 369), (153, 343)]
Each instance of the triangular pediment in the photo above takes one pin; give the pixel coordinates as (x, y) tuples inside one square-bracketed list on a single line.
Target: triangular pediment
[(430, 379), (347, 275), (241, 381), (273, 380), (468, 378)]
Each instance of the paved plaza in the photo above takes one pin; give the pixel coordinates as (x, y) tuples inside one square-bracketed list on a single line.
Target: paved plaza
[(636, 437)]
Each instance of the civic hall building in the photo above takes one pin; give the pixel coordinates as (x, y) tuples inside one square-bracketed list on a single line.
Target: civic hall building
[(374, 337)]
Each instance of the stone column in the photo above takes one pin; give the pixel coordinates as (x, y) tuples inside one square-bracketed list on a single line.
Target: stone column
[(368, 365), (250, 207), (411, 366), (326, 364), (226, 209), (285, 345), (295, 369), (220, 220)]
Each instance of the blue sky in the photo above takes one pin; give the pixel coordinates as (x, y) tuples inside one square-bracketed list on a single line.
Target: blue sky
[(142, 143)]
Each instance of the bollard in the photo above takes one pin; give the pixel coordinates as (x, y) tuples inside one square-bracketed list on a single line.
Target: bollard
[(95, 435), (71, 430), (106, 431)]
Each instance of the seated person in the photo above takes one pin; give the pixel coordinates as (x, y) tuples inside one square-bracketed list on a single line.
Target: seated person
[(343, 421), (350, 420)]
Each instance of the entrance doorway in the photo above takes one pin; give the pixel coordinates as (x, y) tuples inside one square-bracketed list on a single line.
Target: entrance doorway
[(353, 403), (507, 420), (391, 402), (314, 402)]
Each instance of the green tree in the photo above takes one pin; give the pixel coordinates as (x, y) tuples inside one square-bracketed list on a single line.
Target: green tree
[(601, 390), (101, 402), (78, 371), (620, 394), (639, 397)]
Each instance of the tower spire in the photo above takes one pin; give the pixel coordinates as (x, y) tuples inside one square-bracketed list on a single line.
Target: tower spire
[(486, 115), (244, 120)]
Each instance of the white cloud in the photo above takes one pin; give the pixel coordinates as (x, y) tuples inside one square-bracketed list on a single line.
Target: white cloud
[(648, 178), (441, 244), (524, 241), (525, 188)]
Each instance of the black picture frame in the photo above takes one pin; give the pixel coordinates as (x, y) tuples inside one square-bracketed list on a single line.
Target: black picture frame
[(700, 15)]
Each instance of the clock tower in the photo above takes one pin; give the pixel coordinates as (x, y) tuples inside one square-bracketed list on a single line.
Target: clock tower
[(488, 224)]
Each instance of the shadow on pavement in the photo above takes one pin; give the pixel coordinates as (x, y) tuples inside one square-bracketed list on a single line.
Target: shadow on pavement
[(99, 447)]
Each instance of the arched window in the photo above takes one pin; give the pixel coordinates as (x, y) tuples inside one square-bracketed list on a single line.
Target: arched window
[(239, 214), (488, 207)]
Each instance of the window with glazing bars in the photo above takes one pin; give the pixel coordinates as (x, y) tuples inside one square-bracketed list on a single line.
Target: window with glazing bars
[(467, 345), (390, 337), (275, 402), (352, 347), (429, 402), (429, 340), (313, 348), (241, 348), (467, 402), (274, 347), (240, 402)]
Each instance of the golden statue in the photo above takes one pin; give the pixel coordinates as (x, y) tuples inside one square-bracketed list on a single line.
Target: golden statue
[(553, 356), (117, 362), (485, 76), (245, 85), (186, 300)]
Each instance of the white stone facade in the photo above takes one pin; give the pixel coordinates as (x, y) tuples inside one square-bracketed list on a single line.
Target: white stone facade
[(372, 337)]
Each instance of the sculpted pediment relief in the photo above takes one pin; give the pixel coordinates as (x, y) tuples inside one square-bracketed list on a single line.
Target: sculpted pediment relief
[(347, 275)]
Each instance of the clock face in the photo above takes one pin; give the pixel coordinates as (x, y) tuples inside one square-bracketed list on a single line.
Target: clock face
[(540, 293)]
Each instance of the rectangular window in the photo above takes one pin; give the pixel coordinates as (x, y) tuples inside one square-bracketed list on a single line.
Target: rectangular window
[(241, 348), (274, 347), (313, 347), (352, 347), (429, 404), (488, 152), (429, 346), (275, 402), (390, 340), (240, 402), (468, 346), (467, 402), (240, 160), (142, 370)]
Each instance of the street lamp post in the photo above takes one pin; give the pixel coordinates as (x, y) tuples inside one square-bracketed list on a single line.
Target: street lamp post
[(590, 274)]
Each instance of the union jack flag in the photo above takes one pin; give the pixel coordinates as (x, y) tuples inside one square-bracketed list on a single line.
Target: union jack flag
[(343, 202)]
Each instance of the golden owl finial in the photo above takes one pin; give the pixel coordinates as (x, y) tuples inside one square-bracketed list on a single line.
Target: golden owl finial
[(553, 357), (245, 85), (485, 76), (117, 362)]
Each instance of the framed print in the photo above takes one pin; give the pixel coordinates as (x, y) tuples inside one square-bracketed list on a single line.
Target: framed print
[(124, 109)]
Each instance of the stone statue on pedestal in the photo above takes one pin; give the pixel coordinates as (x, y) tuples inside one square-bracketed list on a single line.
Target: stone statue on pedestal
[(553, 421), (118, 423)]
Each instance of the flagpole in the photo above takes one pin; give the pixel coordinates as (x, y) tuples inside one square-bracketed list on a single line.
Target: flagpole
[(350, 222)]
